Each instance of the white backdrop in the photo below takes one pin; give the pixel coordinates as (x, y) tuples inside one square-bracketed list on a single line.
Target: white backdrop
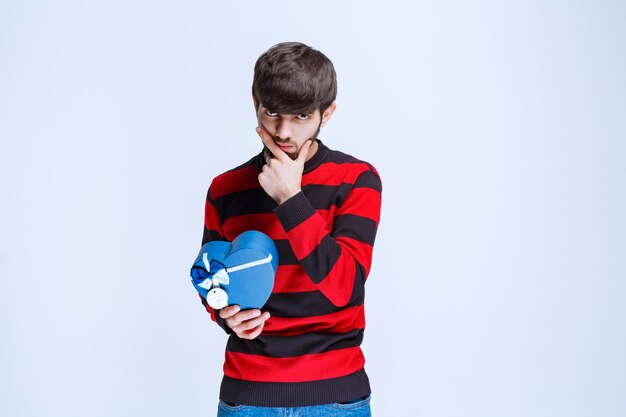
[(498, 283)]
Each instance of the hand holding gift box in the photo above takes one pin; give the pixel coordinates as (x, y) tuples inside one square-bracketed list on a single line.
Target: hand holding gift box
[(239, 272)]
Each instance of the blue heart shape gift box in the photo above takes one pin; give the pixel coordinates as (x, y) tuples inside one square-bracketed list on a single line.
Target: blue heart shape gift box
[(238, 272)]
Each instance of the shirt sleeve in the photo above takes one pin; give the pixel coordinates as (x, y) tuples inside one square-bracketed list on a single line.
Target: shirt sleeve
[(339, 260), (212, 231)]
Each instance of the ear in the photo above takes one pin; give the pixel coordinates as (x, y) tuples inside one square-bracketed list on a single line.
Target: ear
[(256, 106), (328, 113)]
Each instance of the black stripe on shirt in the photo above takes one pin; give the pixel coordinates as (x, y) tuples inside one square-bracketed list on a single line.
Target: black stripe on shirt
[(285, 253), (369, 179), (251, 201), (339, 157), (355, 227), (289, 346), (256, 200), (322, 197), (308, 303), (321, 260), (298, 394), (325, 196), (358, 288), (210, 235)]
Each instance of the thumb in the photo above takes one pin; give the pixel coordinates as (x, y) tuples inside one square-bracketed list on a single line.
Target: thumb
[(304, 151)]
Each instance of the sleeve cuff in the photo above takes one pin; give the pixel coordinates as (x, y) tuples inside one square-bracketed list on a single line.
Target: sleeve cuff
[(222, 323), (215, 315), (294, 211)]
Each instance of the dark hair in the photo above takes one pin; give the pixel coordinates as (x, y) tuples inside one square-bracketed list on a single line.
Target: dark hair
[(294, 78)]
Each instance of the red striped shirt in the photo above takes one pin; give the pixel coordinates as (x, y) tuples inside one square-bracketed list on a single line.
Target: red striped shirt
[(325, 236)]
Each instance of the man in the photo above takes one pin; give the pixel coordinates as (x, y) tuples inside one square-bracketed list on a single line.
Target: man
[(321, 207)]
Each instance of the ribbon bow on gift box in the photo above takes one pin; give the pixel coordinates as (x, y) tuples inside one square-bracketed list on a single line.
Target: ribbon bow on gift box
[(241, 272)]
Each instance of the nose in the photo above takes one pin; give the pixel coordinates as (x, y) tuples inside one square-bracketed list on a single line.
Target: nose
[(283, 129)]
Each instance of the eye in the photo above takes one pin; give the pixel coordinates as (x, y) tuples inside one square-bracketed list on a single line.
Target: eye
[(303, 116), (271, 113)]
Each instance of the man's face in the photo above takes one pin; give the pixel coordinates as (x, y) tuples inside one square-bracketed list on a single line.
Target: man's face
[(291, 131)]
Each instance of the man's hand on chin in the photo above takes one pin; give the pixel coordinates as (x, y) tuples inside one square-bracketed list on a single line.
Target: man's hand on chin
[(281, 176)]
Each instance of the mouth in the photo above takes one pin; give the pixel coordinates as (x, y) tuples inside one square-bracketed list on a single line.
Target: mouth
[(285, 147)]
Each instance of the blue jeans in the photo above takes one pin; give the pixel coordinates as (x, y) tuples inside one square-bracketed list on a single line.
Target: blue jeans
[(358, 408)]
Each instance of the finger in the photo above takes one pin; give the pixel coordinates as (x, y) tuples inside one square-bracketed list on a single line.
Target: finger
[(229, 311), (251, 324), (242, 316), (269, 143), (304, 151), (252, 334), (256, 332), (254, 321), (263, 132)]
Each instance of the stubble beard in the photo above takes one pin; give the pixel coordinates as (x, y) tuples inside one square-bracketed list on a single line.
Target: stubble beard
[(294, 155)]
